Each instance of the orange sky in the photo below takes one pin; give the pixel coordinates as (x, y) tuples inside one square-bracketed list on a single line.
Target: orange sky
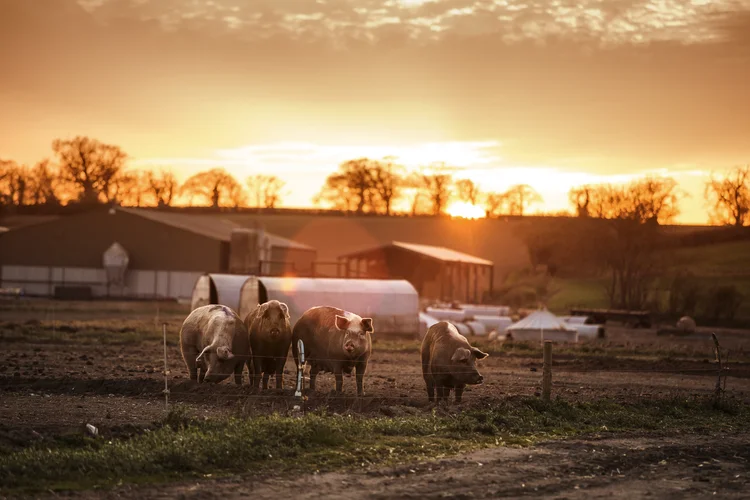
[(550, 93)]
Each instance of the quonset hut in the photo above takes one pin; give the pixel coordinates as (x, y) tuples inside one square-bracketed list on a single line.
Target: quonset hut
[(393, 304)]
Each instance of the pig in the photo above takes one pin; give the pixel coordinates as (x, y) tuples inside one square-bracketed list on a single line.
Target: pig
[(448, 362), (214, 341), (270, 337), (334, 341)]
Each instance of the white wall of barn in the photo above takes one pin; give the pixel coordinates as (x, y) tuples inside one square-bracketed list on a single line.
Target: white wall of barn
[(41, 281)]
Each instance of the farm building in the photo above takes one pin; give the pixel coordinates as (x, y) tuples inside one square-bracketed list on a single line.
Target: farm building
[(436, 272), (130, 252), (393, 304)]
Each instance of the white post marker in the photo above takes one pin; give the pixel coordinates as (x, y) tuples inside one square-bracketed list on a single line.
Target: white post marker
[(300, 368), (166, 368)]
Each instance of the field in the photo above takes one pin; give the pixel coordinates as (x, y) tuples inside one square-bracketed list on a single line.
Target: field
[(631, 414)]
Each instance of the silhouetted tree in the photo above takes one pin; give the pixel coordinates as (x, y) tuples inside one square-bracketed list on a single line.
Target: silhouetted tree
[(265, 190), (90, 166), (14, 179), (729, 197), (129, 188), (163, 186), (494, 204), (520, 197), (388, 181), (216, 187), (45, 184), (467, 191), (436, 183)]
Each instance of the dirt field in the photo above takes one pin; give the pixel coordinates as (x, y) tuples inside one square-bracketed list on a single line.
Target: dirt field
[(104, 367)]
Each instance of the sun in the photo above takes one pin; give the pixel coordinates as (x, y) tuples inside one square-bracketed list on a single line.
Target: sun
[(465, 210)]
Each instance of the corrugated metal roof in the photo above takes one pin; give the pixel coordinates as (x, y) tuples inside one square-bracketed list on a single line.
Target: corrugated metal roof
[(439, 253), (210, 226)]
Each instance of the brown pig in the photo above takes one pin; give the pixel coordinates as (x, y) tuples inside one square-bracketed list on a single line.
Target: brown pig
[(334, 341), (270, 337), (448, 362), (214, 340)]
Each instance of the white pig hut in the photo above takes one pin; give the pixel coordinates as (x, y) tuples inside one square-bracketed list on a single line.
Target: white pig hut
[(392, 304), (542, 325)]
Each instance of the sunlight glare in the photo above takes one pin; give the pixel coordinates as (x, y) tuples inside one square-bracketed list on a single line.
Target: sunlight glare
[(465, 210)]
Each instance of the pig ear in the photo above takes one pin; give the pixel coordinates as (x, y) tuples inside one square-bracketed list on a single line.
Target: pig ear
[(460, 354), (342, 323), (284, 308), (478, 354), (224, 353), (203, 353), (367, 325)]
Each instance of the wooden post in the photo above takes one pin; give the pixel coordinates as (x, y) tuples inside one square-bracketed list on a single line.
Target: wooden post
[(717, 389), (547, 371), (477, 298), (492, 279)]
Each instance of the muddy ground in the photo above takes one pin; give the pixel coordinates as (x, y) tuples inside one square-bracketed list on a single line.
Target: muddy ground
[(105, 367)]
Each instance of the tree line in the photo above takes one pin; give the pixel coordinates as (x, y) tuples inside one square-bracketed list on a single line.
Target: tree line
[(86, 171)]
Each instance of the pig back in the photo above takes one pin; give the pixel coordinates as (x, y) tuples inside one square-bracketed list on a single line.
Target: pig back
[(316, 328), (438, 346)]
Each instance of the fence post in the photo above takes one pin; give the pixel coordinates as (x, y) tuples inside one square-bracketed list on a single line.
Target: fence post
[(166, 368), (717, 389), (547, 371)]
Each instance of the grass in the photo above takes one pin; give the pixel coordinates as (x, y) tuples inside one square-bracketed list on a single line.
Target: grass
[(183, 447)]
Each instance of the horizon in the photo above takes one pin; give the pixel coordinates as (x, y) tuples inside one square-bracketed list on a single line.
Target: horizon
[(603, 93)]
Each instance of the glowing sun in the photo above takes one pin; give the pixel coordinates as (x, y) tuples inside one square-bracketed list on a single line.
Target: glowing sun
[(465, 210)]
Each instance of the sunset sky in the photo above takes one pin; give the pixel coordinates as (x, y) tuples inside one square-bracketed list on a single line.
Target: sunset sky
[(550, 93)]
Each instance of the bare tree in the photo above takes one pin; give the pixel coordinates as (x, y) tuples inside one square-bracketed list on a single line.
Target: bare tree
[(351, 188), (580, 197), (14, 180), (494, 204), (387, 183), (436, 183), (216, 187), (45, 184), (90, 166), (520, 197), (163, 186), (467, 191), (129, 188), (337, 194), (265, 190), (729, 197)]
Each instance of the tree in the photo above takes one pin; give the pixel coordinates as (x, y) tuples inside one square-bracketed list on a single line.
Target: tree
[(216, 187), (494, 204), (387, 180), (436, 183), (14, 180), (90, 166), (520, 197), (265, 190), (628, 239), (729, 197), (129, 188), (45, 184), (163, 186), (467, 191)]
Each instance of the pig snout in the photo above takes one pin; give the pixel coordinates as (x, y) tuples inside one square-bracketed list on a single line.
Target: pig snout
[(275, 332), (349, 347)]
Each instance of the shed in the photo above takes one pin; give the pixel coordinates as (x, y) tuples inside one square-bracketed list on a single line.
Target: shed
[(436, 272), (542, 325), (393, 304)]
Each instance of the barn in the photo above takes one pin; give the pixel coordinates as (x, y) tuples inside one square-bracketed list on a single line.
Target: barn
[(435, 272), (140, 253)]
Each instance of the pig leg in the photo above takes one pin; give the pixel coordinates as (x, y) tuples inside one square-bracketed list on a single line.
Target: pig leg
[(430, 390), (440, 393), (280, 373), (189, 356), (459, 393), (238, 372), (256, 372), (265, 379), (313, 375), (338, 372), (250, 371), (360, 368)]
